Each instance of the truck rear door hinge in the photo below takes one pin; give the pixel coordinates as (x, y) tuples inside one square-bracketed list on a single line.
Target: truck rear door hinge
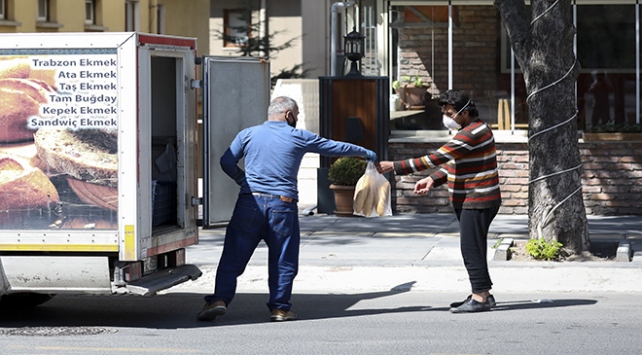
[(196, 84), (197, 201)]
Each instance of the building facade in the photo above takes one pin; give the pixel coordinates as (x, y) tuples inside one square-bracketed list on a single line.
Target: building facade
[(172, 17), (308, 24), (462, 44)]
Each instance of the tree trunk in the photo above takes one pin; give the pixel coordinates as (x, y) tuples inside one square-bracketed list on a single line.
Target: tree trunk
[(543, 47)]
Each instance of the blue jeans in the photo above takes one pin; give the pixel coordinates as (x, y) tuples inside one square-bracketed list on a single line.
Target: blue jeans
[(255, 219)]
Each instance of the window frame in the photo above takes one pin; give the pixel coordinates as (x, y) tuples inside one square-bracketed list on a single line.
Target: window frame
[(227, 13), (90, 12), (132, 15), (43, 10), (3, 9), (160, 19)]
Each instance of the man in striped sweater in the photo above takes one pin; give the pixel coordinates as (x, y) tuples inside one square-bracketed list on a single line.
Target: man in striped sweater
[(469, 167)]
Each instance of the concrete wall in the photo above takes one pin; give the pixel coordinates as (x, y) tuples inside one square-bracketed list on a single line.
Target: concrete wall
[(188, 18), (611, 179), (316, 37)]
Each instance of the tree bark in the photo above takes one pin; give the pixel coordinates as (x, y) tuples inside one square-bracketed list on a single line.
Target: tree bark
[(543, 47)]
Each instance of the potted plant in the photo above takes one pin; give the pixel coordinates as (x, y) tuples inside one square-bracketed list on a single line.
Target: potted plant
[(344, 174), (412, 91)]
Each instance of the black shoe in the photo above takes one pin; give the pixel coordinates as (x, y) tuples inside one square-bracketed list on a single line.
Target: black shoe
[(490, 299), (471, 306)]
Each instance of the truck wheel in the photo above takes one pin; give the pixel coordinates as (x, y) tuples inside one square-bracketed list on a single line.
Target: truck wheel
[(24, 300)]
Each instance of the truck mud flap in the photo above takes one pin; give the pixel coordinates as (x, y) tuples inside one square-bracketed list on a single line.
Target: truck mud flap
[(164, 279)]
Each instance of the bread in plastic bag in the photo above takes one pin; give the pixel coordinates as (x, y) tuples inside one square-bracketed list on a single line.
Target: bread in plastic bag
[(372, 194)]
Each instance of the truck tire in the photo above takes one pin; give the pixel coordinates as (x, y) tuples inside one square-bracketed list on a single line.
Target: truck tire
[(24, 300)]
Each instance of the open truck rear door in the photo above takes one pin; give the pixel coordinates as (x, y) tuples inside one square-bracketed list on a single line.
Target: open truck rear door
[(236, 95)]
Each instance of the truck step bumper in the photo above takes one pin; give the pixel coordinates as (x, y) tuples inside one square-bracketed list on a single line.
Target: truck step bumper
[(163, 279)]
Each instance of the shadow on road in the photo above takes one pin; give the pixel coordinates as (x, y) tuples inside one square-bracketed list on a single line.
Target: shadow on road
[(542, 303), (178, 310)]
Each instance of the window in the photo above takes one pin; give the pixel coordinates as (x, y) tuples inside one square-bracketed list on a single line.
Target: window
[(237, 28), (3, 9), (606, 51), (160, 20), (132, 15), (43, 10), (90, 12)]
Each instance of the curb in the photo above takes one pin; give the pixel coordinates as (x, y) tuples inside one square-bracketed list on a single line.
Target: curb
[(624, 252)]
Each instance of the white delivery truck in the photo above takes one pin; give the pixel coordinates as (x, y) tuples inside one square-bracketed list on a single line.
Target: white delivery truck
[(100, 143)]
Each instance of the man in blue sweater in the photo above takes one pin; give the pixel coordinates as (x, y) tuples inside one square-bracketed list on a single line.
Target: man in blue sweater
[(266, 208)]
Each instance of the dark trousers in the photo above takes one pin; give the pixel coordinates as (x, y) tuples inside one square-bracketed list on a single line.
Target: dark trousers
[(473, 240), (255, 219)]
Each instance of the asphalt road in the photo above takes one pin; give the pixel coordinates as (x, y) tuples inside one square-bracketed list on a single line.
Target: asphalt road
[(392, 322)]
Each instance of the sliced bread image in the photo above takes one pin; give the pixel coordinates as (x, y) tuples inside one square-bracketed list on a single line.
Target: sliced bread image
[(87, 155), (24, 188)]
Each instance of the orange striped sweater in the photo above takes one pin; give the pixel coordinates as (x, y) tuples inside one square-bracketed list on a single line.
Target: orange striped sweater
[(470, 167)]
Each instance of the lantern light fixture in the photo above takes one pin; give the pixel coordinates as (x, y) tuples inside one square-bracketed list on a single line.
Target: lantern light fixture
[(353, 49)]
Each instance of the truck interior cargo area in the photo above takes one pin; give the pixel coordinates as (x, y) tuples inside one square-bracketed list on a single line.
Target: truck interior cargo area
[(164, 141)]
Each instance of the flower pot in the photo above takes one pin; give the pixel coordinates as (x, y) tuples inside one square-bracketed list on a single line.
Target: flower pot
[(414, 97), (343, 200)]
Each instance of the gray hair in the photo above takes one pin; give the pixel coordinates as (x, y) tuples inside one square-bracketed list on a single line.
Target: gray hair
[(281, 104)]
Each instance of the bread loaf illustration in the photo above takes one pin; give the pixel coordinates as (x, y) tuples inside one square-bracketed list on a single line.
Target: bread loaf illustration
[(15, 68), (24, 188), (19, 100)]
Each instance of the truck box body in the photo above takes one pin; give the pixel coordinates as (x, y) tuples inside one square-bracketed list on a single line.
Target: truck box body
[(99, 187)]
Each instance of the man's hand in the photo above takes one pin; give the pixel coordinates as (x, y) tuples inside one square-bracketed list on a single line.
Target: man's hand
[(423, 186), (384, 166)]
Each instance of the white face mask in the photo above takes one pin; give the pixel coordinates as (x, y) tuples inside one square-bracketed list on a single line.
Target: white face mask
[(449, 122)]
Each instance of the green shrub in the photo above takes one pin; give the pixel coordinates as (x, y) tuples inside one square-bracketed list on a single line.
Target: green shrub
[(540, 249), (347, 171)]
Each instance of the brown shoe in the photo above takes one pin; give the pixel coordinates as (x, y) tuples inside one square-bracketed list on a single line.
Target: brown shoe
[(280, 315), (211, 310)]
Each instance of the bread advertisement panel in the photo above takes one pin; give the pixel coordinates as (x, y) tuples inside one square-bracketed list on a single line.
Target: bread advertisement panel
[(58, 139)]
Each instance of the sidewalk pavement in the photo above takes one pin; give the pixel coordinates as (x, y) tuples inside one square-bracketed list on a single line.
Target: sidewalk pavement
[(420, 252)]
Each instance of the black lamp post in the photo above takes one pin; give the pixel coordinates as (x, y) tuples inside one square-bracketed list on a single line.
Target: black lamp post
[(353, 49)]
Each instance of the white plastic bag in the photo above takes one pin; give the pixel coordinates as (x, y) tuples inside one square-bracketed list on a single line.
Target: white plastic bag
[(372, 194), (166, 164)]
